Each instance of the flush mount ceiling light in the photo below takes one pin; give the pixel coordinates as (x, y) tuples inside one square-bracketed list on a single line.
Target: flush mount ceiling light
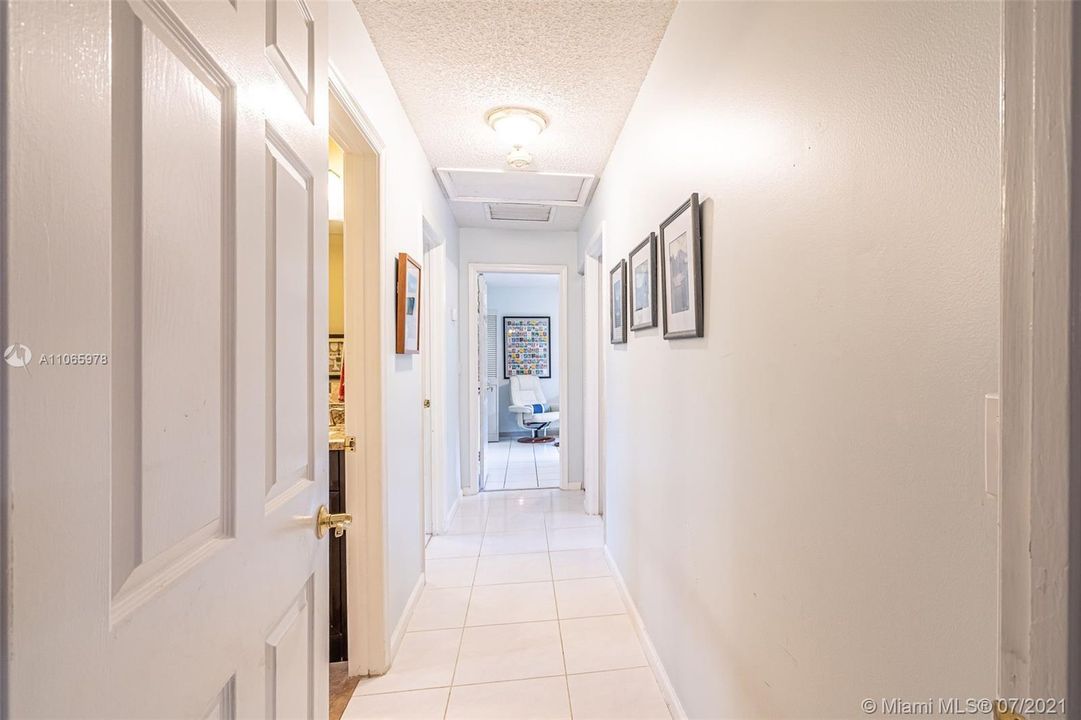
[(517, 126)]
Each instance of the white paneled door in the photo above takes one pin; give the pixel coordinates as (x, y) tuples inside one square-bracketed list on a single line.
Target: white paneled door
[(165, 264)]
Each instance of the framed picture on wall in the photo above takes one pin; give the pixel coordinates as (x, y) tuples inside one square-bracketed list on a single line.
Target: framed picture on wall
[(408, 314), (681, 272), (335, 355), (643, 284), (527, 346), (617, 284)]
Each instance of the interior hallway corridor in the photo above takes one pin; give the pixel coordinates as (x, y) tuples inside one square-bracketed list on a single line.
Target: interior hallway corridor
[(795, 282), (520, 618)]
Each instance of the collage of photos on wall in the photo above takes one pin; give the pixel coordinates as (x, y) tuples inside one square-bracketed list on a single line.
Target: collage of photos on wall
[(527, 346), (634, 283)]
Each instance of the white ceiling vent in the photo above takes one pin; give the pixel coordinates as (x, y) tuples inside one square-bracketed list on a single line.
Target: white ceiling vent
[(520, 212), (501, 186)]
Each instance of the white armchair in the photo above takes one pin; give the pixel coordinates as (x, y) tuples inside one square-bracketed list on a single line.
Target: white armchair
[(532, 408)]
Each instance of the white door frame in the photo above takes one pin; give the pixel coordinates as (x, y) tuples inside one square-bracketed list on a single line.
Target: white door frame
[(365, 479), (565, 401), (593, 411), (1040, 621), (434, 363)]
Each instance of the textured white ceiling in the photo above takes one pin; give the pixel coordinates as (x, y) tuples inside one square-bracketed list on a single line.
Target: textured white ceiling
[(580, 63)]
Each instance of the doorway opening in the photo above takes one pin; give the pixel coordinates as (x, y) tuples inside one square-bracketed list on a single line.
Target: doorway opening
[(358, 638), (338, 646), (433, 329), (521, 379), (596, 329)]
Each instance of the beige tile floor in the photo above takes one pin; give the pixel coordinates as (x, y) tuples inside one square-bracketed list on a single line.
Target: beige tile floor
[(511, 465), (520, 619)]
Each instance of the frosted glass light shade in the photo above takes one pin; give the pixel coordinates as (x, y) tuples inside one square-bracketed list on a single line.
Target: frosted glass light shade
[(517, 126)]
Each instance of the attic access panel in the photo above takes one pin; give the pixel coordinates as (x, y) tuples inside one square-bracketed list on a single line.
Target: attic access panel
[(501, 186)]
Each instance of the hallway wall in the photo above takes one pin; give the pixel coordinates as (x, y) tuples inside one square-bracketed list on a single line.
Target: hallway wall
[(412, 194), (452, 472), (526, 247), (796, 501)]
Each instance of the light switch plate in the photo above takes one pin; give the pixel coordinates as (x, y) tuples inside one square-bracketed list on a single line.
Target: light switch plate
[(992, 445)]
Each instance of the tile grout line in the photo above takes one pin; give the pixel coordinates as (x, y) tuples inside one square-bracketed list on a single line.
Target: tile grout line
[(496, 682), (559, 628), (483, 532), (518, 622), (536, 470), (461, 636), (506, 470), (485, 682), (499, 682), (566, 674), (515, 582)]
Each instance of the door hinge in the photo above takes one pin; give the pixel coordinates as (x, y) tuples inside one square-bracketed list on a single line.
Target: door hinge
[(350, 443), (427, 403)]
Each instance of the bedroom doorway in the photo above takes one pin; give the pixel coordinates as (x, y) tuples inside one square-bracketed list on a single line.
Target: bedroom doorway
[(518, 341), (522, 342)]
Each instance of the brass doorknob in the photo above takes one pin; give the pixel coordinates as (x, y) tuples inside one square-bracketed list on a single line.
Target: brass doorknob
[(327, 520)]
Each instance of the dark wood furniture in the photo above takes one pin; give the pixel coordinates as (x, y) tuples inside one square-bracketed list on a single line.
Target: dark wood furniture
[(339, 648)]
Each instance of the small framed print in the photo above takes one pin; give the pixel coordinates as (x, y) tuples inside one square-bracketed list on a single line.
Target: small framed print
[(681, 272), (335, 355), (408, 315), (643, 284), (617, 284)]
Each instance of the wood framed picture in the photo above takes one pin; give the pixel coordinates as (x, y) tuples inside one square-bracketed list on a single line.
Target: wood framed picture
[(643, 284), (682, 305), (408, 292), (335, 355), (617, 285), (527, 346)]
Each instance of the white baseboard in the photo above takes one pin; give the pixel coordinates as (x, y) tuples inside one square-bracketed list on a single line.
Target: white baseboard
[(398, 635), (668, 692)]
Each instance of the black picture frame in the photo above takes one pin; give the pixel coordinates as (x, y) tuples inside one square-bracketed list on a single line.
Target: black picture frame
[(547, 347), (618, 322), (695, 290), (650, 245)]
